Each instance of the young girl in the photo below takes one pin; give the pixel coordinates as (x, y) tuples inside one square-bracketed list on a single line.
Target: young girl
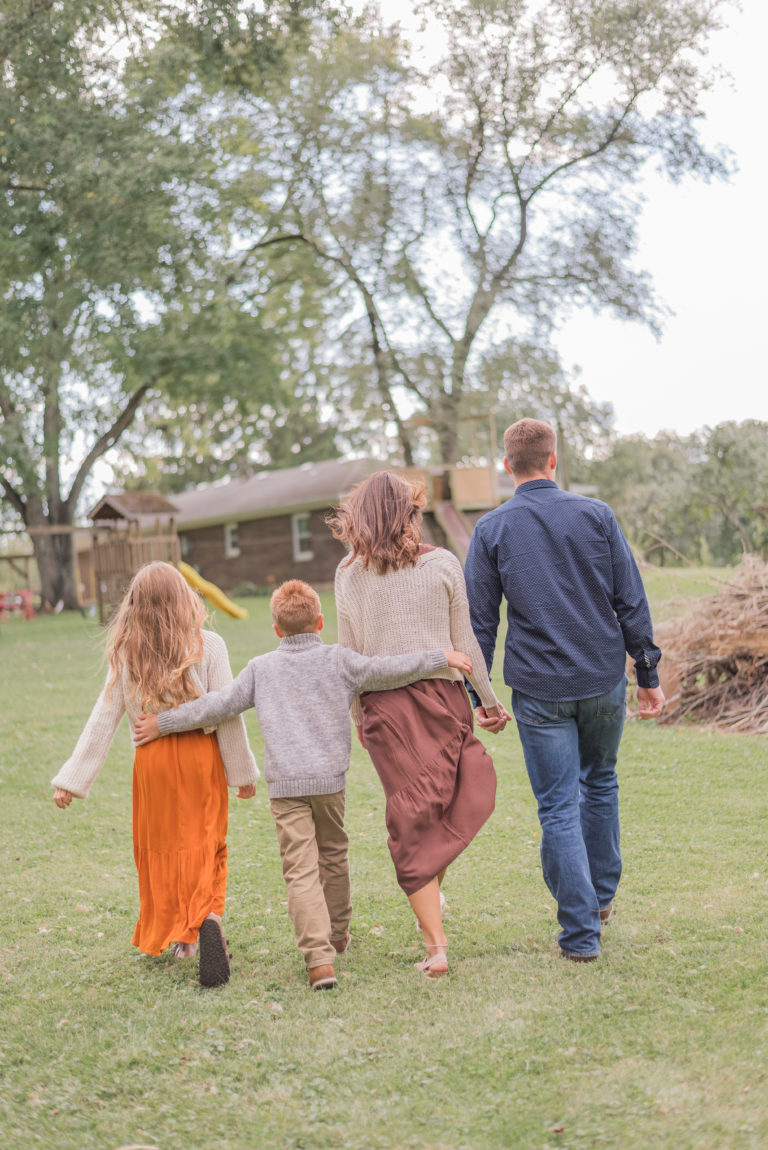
[(159, 656)]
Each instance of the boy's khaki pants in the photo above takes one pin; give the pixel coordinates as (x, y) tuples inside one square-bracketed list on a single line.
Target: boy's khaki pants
[(313, 848)]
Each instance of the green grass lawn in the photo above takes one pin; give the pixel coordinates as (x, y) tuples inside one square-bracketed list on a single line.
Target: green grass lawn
[(662, 1043)]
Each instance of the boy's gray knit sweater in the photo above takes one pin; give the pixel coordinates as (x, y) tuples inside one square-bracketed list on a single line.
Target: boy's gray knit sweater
[(302, 693)]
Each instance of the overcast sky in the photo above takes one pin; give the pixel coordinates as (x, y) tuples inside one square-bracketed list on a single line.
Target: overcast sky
[(706, 247)]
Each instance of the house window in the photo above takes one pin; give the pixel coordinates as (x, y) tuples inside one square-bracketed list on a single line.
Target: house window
[(302, 536), (231, 541)]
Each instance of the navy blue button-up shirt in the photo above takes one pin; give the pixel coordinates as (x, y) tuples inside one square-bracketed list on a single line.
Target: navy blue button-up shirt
[(575, 599)]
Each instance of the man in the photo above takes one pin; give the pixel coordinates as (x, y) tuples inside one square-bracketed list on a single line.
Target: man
[(575, 604)]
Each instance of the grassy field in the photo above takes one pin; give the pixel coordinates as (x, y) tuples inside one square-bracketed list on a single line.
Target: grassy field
[(662, 1043)]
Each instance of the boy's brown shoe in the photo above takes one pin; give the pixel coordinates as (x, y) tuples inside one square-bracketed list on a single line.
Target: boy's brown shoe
[(341, 945), (322, 978)]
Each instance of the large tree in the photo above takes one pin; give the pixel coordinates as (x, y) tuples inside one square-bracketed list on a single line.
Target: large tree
[(465, 207), (114, 258)]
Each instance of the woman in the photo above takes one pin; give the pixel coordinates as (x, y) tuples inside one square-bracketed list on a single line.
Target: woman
[(395, 595)]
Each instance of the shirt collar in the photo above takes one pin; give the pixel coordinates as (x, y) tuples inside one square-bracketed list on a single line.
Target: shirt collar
[(534, 485), (299, 642)]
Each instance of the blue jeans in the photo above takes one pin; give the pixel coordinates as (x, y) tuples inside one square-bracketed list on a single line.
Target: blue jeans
[(570, 753)]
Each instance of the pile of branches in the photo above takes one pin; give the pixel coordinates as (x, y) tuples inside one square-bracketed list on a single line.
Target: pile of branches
[(715, 663)]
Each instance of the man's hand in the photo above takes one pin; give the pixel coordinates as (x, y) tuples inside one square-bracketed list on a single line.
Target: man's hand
[(459, 660), (650, 701), (246, 791), (62, 798), (493, 720), (145, 730)]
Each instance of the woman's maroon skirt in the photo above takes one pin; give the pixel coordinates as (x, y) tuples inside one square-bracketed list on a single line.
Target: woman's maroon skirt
[(437, 776)]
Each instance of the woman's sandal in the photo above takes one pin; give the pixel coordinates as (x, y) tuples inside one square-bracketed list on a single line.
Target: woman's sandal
[(215, 966), (434, 965)]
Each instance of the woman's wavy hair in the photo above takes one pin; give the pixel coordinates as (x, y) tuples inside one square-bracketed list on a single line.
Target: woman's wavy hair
[(155, 636), (380, 522)]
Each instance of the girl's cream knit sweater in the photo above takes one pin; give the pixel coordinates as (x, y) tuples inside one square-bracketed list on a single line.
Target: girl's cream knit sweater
[(210, 674)]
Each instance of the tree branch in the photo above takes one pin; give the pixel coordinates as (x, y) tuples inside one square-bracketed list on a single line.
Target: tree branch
[(420, 291), (588, 155), (7, 406), (25, 188), (563, 104), (13, 497), (104, 442)]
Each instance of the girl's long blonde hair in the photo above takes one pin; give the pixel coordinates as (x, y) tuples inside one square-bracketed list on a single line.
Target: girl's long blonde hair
[(156, 637)]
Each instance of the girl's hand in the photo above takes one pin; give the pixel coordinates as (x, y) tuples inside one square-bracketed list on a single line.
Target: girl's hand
[(246, 791), (459, 660), (145, 730), (62, 798)]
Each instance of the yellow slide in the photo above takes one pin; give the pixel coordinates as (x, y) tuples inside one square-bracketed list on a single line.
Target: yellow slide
[(212, 593)]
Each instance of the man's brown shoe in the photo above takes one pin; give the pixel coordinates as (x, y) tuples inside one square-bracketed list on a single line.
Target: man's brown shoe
[(606, 913), (322, 978), (579, 957)]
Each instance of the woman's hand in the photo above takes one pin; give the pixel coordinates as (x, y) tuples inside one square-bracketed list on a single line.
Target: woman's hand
[(145, 730), (459, 660), (62, 798), (492, 719), (246, 791)]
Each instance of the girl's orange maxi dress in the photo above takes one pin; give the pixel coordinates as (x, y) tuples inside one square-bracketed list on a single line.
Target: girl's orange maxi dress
[(180, 805)]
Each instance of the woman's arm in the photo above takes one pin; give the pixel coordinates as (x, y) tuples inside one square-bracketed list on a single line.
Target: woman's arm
[(463, 639)]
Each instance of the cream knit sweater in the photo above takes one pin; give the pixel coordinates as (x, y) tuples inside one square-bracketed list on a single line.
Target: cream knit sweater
[(211, 674), (416, 608)]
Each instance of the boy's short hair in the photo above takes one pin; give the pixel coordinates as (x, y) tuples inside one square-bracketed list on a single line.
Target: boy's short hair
[(528, 445), (295, 607)]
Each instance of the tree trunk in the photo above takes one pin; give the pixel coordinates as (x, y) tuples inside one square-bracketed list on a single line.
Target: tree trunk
[(448, 438), (445, 419), (55, 557), (55, 562)]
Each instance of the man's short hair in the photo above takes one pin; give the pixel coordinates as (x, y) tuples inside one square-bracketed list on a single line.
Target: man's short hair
[(528, 445), (295, 607)]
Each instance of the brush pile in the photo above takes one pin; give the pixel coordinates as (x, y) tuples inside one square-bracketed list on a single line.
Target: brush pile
[(714, 668)]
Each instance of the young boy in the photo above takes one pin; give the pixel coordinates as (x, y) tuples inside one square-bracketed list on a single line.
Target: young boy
[(302, 693)]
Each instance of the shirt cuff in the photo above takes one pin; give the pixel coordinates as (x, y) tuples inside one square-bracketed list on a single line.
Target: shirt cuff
[(165, 722), (647, 676)]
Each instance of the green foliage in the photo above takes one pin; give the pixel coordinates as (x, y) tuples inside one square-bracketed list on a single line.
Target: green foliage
[(698, 498), (466, 208), (661, 1043), (239, 232), (116, 272)]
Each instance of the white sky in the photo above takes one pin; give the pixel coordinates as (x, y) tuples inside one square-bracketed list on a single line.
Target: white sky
[(706, 247)]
